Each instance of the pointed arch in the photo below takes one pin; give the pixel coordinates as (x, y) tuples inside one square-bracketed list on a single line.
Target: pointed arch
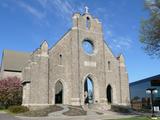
[(66, 92), (58, 92), (95, 87), (109, 94), (88, 90)]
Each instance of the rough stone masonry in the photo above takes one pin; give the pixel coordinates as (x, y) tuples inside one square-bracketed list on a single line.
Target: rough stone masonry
[(58, 75)]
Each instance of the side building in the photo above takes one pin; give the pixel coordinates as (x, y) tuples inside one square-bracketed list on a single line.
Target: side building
[(12, 63), (138, 91)]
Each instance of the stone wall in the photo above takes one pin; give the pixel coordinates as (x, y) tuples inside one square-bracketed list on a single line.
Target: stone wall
[(5, 74), (35, 78), (68, 63)]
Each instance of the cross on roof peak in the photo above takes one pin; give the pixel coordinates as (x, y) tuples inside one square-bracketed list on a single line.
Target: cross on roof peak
[(86, 9)]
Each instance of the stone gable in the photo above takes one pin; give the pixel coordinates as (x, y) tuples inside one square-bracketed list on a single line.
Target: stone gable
[(68, 64)]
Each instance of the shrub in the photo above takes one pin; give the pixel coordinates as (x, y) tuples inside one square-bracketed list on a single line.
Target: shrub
[(10, 92), (18, 109), (121, 108)]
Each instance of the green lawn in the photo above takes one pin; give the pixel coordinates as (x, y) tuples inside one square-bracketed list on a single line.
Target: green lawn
[(6, 111), (138, 118)]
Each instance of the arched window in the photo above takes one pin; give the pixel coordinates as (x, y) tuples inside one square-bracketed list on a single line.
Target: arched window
[(88, 91), (58, 92), (88, 23), (109, 65), (109, 94)]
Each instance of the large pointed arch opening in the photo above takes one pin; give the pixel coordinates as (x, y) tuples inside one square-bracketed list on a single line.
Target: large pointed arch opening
[(58, 92), (88, 91), (109, 94)]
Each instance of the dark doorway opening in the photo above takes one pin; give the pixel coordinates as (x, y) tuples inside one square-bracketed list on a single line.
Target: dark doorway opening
[(109, 94), (88, 91), (58, 93)]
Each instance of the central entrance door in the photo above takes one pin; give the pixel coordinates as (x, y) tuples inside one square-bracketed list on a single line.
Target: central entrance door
[(88, 91), (58, 93)]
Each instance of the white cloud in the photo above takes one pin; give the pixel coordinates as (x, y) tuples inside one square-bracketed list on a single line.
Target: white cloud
[(118, 43), (46, 9), (121, 43), (63, 8), (32, 10)]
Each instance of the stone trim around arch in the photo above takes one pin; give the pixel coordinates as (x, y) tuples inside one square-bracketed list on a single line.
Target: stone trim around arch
[(109, 94), (94, 43), (59, 89), (114, 94), (65, 91), (95, 87)]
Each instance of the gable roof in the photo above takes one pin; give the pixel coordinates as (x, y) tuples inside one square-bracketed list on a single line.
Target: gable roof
[(108, 48), (13, 60)]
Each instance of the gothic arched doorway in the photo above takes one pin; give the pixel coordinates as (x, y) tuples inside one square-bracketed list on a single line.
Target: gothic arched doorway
[(58, 92), (109, 94), (88, 91)]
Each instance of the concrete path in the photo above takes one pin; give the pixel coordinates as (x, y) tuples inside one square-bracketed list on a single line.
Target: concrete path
[(5, 116), (89, 116), (93, 117), (59, 113), (91, 113)]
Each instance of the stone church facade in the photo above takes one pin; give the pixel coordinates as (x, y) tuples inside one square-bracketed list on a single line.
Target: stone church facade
[(59, 74)]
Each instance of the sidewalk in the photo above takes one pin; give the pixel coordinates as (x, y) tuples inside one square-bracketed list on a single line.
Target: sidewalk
[(91, 115)]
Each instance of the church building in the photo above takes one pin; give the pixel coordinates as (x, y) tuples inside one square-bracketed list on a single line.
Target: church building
[(79, 69)]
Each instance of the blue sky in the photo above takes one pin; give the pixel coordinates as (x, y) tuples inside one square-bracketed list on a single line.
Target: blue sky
[(24, 24)]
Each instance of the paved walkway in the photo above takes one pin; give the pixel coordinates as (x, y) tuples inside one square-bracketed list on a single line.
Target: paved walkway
[(5, 116), (91, 115), (59, 113)]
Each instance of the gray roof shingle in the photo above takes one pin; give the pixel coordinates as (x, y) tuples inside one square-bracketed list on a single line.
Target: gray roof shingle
[(13, 60)]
